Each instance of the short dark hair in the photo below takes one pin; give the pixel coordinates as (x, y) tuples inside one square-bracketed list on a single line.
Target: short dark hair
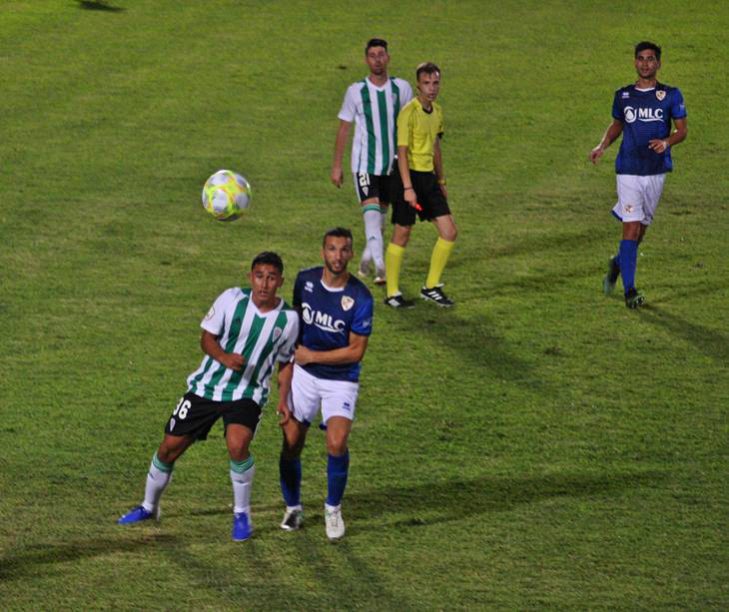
[(427, 68), (642, 46), (337, 232), (270, 258), (375, 42)]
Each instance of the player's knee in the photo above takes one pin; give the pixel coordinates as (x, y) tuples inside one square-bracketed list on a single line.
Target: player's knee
[(291, 447), (449, 232), (401, 235), (171, 449), (238, 450), (337, 446), (337, 443)]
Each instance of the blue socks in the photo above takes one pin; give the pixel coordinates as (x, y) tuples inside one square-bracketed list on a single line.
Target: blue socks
[(290, 473), (337, 470), (628, 259)]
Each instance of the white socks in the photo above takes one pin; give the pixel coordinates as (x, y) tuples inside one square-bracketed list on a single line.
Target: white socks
[(242, 484), (158, 478)]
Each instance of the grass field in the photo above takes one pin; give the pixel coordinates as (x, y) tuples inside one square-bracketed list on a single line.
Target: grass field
[(538, 446)]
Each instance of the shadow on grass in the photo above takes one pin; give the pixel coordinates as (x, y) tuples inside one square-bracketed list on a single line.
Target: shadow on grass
[(712, 343), (99, 5), (450, 500), (15, 566), (475, 338), (529, 245)]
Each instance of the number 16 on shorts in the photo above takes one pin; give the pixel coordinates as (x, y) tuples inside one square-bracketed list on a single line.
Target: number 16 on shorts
[(180, 411)]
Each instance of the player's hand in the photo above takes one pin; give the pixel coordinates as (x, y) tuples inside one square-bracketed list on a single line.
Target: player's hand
[(659, 145), (596, 153), (411, 198), (284, 414), (233, 361), (303, 355), (337, 176)]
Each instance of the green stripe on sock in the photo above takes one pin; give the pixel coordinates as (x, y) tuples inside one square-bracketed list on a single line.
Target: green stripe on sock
[(242, 466), (368, 207), (161, 465)]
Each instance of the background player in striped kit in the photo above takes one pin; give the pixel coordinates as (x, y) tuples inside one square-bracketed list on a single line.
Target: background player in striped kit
[(642, 113), (244, 334), (373, 104)]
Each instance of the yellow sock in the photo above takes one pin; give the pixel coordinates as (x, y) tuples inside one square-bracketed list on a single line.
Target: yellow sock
[(438, 260), (393, 261)]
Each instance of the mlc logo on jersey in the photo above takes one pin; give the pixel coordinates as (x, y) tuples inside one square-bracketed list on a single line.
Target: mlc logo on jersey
[(646, 115), (322, 320)]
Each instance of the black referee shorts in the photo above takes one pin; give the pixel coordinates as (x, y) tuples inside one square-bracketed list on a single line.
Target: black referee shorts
[(429, 195)]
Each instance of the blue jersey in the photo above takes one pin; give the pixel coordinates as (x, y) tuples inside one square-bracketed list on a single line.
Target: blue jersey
[(328, 316), (646, 115)]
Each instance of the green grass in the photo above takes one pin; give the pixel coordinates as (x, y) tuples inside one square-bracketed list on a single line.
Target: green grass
[(539, 446)]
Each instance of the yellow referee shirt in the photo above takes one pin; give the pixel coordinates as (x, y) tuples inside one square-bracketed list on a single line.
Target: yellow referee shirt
[(417, 130)]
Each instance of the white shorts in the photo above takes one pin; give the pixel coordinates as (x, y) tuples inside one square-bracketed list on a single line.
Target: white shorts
[(638, 197), (309, 393)]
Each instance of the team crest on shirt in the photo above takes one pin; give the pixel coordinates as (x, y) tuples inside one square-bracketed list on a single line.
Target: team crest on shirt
[(347, 302), (277, 333), (660, 94)]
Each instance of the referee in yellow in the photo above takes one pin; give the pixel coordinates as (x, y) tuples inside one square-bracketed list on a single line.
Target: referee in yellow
[(423, 190)]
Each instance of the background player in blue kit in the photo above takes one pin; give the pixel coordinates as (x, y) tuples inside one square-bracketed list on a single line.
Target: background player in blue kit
[(642, 112), (336, 321)]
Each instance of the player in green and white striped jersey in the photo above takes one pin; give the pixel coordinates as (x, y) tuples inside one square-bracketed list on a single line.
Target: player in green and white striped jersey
[(373, 105), (244, 334)]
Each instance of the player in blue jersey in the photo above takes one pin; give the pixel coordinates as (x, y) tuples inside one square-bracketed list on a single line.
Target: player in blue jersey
[(642, 113), (336, 321)]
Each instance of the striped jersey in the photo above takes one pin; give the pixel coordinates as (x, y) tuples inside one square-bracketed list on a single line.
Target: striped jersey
[(374, 111), (263, 338)]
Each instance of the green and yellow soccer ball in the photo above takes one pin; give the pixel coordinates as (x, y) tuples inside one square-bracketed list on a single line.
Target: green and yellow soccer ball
[(226, 195)]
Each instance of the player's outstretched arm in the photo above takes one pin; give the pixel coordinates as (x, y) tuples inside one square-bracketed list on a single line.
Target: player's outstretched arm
[(210, 346), (337, 176), (659, 145), (613, 131), (352, 353)]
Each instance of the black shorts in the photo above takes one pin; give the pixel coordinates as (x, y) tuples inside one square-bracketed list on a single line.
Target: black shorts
[(429, 195), (369, 186), (195, 415)]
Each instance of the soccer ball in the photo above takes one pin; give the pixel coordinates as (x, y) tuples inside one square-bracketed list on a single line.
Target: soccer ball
[(226, 195)]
